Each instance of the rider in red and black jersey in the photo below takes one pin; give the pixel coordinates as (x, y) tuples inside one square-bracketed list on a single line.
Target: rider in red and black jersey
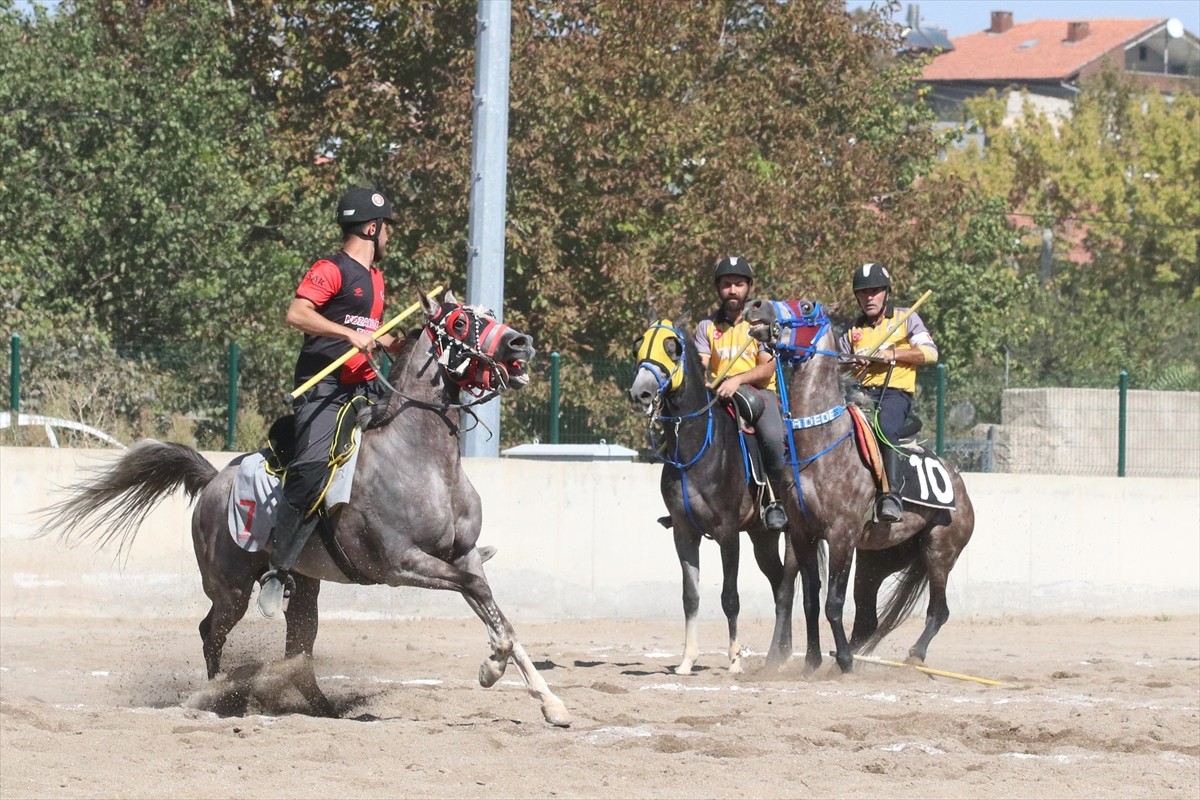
[(337, 305)]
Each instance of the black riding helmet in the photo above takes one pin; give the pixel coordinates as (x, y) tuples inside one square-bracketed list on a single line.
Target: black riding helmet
[(872, 276), (733, 265), (360, 206)]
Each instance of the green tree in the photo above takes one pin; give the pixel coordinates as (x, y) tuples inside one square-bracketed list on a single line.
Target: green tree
[(141, 205), (1117, 188)]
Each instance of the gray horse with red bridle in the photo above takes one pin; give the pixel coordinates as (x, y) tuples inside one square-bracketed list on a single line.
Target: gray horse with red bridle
[(412, 517)]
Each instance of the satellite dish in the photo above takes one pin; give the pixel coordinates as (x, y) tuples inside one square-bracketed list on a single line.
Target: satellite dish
[(1174, 28)]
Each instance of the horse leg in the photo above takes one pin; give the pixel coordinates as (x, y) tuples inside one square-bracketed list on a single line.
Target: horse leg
[(229, 605), (731, 603), (841, 558), (301, 617), (809, 565), (873, 566), (938, 610), (782, 577), (687, 546), (429, 572)]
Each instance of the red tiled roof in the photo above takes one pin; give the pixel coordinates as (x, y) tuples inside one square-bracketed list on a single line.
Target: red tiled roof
[(1047, 55)]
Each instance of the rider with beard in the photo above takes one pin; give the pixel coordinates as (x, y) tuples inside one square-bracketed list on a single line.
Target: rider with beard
[(902, 347), (724, 344), (339, 302)]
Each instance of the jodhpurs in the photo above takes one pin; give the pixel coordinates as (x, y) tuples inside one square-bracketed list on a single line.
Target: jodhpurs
[(893, 410)]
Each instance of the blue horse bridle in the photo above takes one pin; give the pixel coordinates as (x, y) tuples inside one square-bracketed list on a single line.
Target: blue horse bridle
[(809, 317), (663, 374)]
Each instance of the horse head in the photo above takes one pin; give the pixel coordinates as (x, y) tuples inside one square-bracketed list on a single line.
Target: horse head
[(791, 327), (660, 367), (477, 352)]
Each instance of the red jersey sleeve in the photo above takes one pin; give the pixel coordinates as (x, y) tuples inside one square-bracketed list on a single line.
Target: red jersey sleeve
[(322, 282)]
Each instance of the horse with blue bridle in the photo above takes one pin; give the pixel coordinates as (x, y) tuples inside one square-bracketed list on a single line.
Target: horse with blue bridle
[(835, 492), (709, 490)]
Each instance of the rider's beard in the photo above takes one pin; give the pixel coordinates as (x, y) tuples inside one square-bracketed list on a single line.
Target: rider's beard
[(732, 306)]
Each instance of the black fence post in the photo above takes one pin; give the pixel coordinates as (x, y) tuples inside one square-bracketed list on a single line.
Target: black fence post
[(555, 363), (1122, 421), (235, 353), (14, 378)]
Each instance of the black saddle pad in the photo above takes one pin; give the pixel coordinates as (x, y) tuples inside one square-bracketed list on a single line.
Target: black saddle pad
[(926, 481)]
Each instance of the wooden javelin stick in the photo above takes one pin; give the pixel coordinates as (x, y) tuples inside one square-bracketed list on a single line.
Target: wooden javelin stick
[(380, 331), (725, 369), (928, 670), (895, 326)]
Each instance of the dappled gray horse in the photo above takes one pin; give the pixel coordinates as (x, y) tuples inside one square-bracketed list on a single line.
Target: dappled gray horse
[(837, 491), (412, 519), (704, 487)]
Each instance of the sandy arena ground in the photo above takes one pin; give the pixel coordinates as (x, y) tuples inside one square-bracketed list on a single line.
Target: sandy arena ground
[(1090, 708)]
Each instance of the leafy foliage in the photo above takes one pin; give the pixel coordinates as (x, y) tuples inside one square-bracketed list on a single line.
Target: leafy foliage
[(1117, 187), (168, 171)]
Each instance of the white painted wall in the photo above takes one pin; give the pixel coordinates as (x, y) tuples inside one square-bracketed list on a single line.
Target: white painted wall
[(580, 540)]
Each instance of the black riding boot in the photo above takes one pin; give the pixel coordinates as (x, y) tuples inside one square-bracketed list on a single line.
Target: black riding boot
[(889, 505), (288, 539), (773, 515)]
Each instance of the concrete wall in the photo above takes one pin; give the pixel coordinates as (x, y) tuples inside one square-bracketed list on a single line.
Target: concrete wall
[(579, 540)]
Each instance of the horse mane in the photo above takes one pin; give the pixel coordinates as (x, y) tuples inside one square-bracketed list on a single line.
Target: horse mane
[(695, 387), (382, 414)]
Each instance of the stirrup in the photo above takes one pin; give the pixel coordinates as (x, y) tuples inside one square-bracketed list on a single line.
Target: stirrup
[(890, 508), (774, 517), (274, 589)]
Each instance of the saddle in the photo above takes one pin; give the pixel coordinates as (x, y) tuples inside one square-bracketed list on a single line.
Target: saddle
[(925, 480), (257, 488)]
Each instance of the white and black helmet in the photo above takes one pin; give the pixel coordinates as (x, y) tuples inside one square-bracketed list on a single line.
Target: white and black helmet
[(733, 265), (872, 275)]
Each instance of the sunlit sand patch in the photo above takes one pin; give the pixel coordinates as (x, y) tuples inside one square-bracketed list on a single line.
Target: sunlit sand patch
[(1060, 758), (1178, 758), (678, 687), (900, 747), (614, 733)]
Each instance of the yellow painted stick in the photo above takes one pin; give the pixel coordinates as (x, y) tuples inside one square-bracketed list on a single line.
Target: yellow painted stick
[(725, 369), (380, 331), (895, 326), (928, 670)]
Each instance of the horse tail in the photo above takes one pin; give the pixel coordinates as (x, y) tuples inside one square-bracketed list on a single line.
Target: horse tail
[(112, 504), (912, 578)]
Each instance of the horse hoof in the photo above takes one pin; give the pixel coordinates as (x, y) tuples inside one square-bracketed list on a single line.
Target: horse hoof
[(684, 669), (556, 714), (489, 673), (915, 661), (486, 552), (736, 668)]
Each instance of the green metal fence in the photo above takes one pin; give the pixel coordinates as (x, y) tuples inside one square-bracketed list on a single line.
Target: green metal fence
[(229, 397)]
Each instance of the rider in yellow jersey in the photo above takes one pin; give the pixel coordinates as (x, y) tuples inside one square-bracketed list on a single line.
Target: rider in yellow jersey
[(904, 346), (724, 344)]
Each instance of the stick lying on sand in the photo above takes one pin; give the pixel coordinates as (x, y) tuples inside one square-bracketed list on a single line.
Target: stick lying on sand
[(928, 670)]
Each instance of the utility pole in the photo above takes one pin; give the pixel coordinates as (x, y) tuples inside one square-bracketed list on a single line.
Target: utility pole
[(489, 175)]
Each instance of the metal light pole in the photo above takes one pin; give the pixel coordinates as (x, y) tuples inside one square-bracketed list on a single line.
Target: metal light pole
[(489, 171)]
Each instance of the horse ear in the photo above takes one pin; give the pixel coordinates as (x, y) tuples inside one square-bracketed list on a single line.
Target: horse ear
[(428, 304), (449, 297)]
